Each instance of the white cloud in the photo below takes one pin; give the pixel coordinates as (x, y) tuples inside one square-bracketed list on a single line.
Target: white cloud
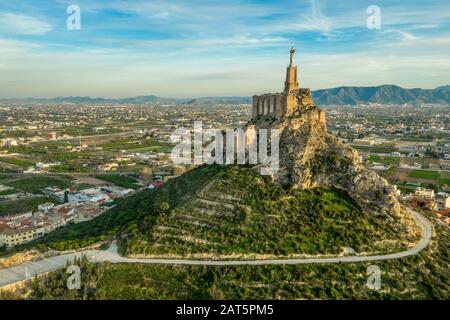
[(208, 44), (12, 48), (21, 24), (423, 26), (315, 20), (103, 72), (404, 36), (420, 63)]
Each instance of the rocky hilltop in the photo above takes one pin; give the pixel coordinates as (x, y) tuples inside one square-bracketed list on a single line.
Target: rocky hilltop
[(310, 157)]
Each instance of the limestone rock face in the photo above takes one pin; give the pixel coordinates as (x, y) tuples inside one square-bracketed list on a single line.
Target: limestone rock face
[(311, 157), (19, 258)]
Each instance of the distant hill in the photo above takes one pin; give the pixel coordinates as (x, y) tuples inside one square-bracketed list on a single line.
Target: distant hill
[(221, 100), (88, 100), (335, 96), (150, 99), (381, 94)]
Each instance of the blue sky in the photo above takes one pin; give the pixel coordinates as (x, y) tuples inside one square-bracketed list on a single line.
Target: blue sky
[(210, 48)]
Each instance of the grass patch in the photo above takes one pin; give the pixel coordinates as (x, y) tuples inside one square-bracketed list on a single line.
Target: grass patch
[(416, 139), (21, 162), (120, 180), (8, 192), (389, 160), (9, 207), (34, 184), (375, 149), (424, 174), (159, 148)]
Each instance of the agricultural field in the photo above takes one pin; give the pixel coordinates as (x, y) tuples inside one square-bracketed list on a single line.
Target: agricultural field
[(388, 160), (120, 180), (376, 149), (30, 203), (415, 139), (445, 178), (163, 148), (8, 192), (18, 161), (140, 145), (424, 174), (35, 183)]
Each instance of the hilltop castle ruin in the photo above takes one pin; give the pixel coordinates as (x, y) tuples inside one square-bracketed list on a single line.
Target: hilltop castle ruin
[(288, 102)]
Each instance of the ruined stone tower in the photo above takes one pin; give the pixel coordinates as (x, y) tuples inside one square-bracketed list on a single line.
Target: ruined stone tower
[(286, 103), (291, 84)]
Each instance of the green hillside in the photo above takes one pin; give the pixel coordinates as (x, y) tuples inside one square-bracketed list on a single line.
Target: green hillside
[(424, 276), (239, 212), (222, 212), (245, 214), (140, 209)]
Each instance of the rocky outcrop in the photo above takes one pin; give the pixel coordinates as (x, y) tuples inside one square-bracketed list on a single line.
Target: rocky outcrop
[(311, 157), (19, 258)]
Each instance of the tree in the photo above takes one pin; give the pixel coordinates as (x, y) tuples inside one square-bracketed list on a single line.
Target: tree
[(164, 207), (147, 174), (178, 170)]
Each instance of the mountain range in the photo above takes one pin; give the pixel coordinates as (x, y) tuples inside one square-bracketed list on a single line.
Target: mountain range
[(384, 94), (381, 94)]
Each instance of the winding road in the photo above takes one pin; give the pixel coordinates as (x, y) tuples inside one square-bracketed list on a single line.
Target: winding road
[(29, 269)]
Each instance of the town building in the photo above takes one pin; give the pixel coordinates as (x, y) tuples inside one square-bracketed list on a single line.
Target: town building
[(15, 236), (45, 206), (442, 200), (25, 227), (424, 193)]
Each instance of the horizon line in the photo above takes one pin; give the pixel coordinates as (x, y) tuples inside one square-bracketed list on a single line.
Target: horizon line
[(201, 96)]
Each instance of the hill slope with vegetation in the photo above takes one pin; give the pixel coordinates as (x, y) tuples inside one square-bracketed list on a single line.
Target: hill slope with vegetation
[(423, 276), (265, 219), (228, 212)]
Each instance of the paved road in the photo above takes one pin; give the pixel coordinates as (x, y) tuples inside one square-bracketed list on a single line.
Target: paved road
[(29, 269)]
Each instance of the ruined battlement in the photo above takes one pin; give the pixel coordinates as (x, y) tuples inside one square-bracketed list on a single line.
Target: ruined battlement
[(292, 100)]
